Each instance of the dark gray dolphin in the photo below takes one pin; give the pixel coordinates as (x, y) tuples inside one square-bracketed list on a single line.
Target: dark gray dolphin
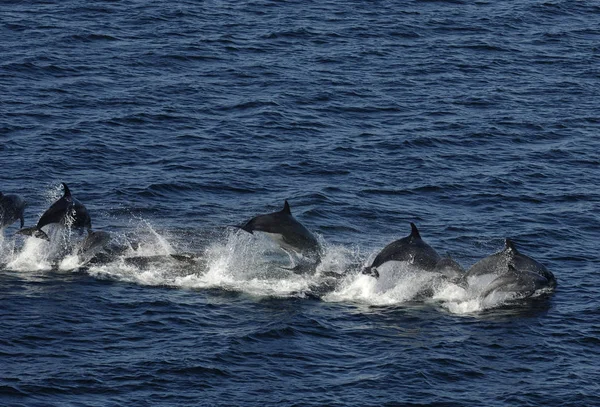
[(411, 249), (498, 263), (67, 211), (523, 283), (514, 270), (93, 246), (284, 229), (12, 208), (450, 269), (94, 242)]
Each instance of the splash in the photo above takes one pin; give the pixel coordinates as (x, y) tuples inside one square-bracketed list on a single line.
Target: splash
[(33, 256), (398, 283), (144, 256), (250, 264)]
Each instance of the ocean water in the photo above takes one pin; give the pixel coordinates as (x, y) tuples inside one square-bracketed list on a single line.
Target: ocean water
[(478, 121)]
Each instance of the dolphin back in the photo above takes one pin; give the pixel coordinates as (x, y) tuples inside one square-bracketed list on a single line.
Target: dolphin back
[(496, 263), (507, 259), (287, 231), (66, 209), (411, 249), (450, 269)]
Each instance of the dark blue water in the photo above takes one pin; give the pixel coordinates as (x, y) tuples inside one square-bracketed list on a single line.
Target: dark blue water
[(475, 120)]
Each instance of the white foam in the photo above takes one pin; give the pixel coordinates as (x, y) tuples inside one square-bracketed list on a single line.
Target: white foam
[(464, 307), (34, 256), (254, 264), (238, 265), (70, 262), (249, 264), (148, 244), (157, 244), (397, 283)]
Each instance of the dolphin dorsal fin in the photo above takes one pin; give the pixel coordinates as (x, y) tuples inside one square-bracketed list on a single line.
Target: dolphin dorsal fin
[(509, 246), (1, 195), (286, 208), (414, 232), (67, 193)]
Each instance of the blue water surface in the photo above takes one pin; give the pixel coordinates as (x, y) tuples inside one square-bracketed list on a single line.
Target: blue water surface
[(478, 121)]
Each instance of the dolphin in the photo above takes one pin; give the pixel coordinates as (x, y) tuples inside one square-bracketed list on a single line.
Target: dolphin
[(411, 249), (66, 211), (93, 242), (286, 231), (513, 271), (12, 208), (522, 282), (498, 263), (93, 246), (450, 269)]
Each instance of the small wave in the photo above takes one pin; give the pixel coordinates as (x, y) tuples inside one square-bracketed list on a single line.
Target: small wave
[(251, 104), (299, 33), (11, 391), (275, 332), (197, 370), (92, 37), (38, 68)]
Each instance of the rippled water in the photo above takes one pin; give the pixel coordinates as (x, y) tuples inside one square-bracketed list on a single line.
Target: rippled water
[(478, 121)]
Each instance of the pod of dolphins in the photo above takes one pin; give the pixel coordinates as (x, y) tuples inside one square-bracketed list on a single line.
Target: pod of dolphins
[(510, 270)]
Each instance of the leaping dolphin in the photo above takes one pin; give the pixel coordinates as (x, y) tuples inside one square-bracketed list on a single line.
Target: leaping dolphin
[(515, 272), (498, 263), (411, 249), (12, 208), (285, 230), (67, 211)]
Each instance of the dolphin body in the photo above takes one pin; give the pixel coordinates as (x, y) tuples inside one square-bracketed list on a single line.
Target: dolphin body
[(411, 249), (67, 211), (286, 231), (450, 269), (94, 242), (523, 283), (515, 272), (12, 208)]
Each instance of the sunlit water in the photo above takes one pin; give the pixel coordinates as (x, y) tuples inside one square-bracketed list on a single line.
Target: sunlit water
[(171, 123)]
